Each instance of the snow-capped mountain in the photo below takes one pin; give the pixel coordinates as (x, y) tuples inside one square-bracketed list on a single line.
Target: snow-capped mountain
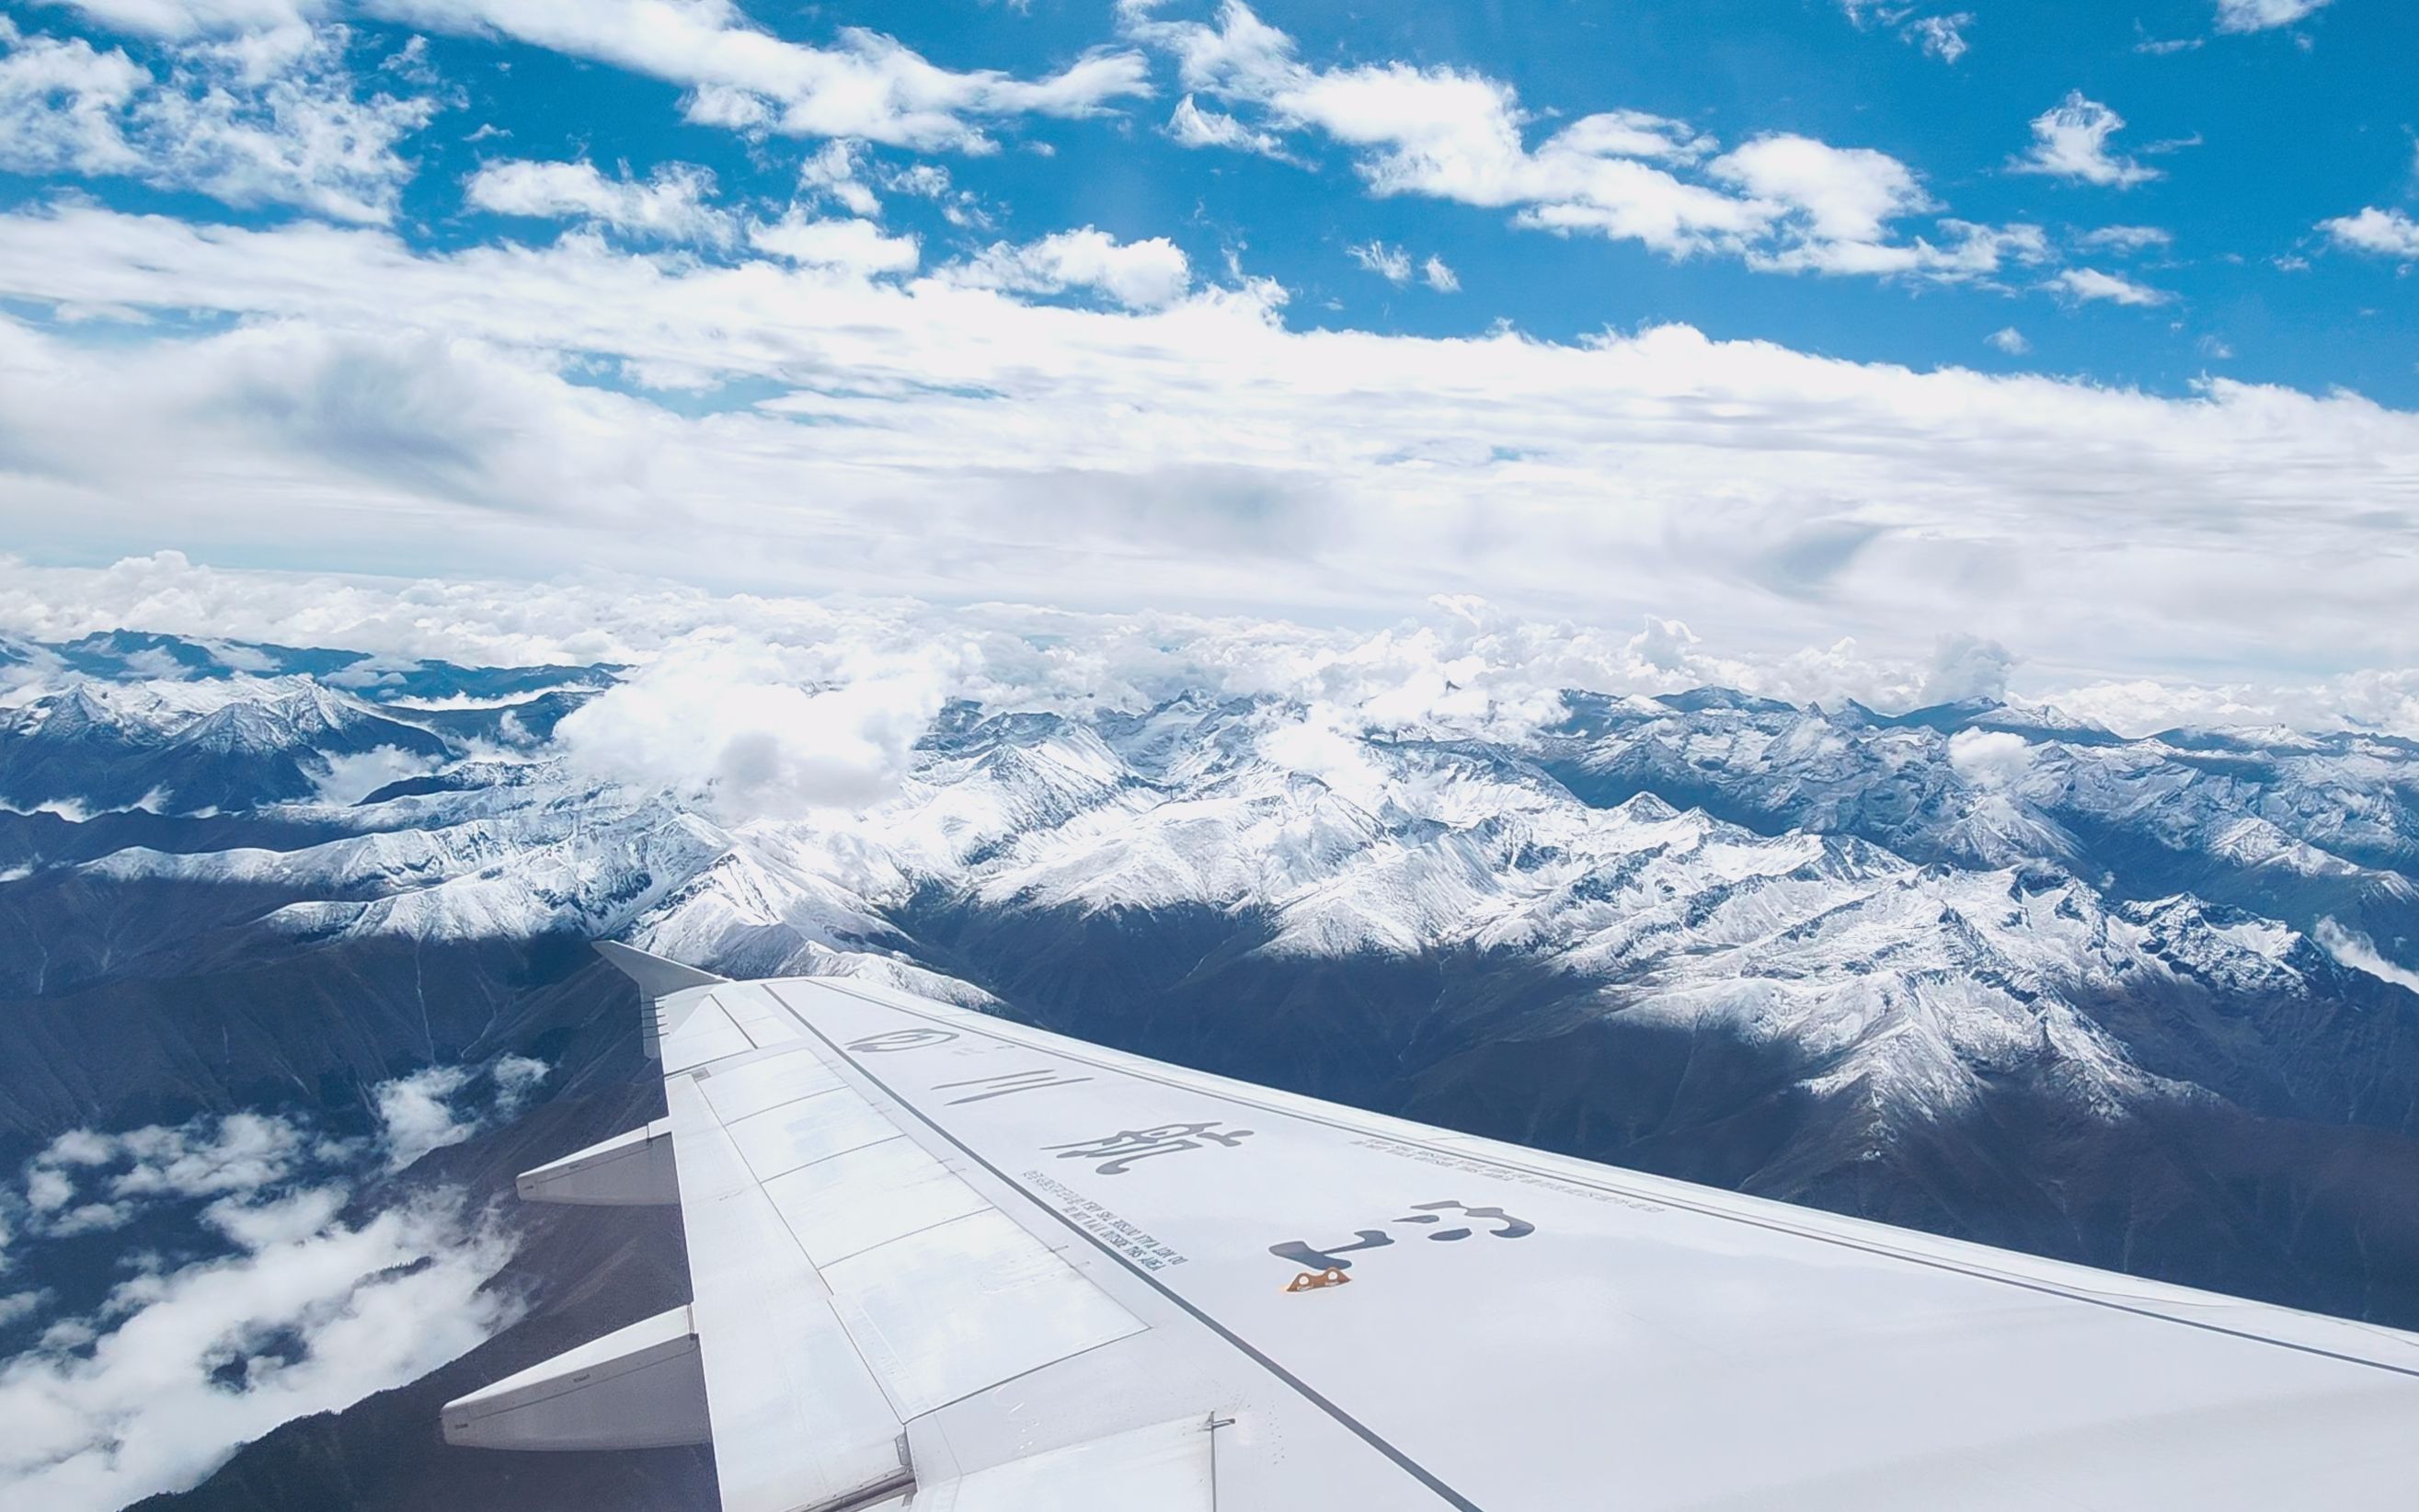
[(1986, 970)]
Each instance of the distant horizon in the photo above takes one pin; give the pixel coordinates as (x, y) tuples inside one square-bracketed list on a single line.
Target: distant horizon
[(1831, 332), (1024, 656)]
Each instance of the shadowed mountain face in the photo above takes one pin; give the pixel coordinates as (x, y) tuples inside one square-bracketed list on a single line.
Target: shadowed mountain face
[(1981, 970)]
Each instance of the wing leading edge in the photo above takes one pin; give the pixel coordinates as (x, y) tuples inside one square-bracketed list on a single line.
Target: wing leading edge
[(942, 1261)]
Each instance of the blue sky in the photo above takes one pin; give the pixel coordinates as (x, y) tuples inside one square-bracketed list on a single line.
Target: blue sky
[(2084, 330), (2255, 138)]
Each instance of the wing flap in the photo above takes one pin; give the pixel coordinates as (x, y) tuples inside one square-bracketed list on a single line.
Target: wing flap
[(1166, 1467), (781, 1139), (798, 1419), (952, 1310), (814, 1221), (635, 1388), (852, 1202)]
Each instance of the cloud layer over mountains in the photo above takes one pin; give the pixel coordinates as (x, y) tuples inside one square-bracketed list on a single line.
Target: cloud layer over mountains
[(925, 437), (724, 668)]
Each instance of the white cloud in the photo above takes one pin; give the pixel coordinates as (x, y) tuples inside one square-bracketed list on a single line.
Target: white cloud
[(350, 777), (2360, 953), (962, 446), (516, 1078), (1393, 264), (2388, 232), (1140, 275), (831, 171), (244, 1152), (1782, 201), (1459, 654), (674, 205), (416, 1112), (1192, 127), (297, 134), (725, 721), (183, 1367), (1942, 37), (428, 1109), (178, 20), (1990, 758), (1966, 668), (1842, 194), (63, 104), (2071, 141), (2149, 46), (2010, 340), (2088, 284), (258, 1224), (869, 86), (2262, 15), (859, 246), (279, 123), (124, 1173), (2127, 239), (48, 1189)]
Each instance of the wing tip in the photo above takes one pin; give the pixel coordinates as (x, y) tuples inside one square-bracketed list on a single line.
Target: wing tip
[(656, 976)]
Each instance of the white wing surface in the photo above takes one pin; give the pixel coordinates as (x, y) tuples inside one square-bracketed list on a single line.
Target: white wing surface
[(944, 1262)]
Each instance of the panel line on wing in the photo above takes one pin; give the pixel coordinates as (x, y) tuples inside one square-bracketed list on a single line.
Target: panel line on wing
[(1661, 1199), (1308, 1393)]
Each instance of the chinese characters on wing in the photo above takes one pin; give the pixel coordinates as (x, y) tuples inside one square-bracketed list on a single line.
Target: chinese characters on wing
[(1425, 1215)]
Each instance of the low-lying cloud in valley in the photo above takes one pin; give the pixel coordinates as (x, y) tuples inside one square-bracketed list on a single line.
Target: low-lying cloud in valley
[(268, 1282)]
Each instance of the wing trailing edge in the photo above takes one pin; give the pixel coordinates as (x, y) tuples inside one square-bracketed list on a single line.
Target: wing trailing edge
[(640, 1387), (661, 982)]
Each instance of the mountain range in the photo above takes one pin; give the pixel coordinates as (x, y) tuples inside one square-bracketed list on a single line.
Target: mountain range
[(1983, 970)]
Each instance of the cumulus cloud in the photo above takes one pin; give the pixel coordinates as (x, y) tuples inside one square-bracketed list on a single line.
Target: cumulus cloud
[(858, 246), (866, 86), (1193, 127), (282, 124), (1787, 203), (2071, 141), (179, 1368), (831, 172), (1990, 758), (1140, 275), (428, 1109), (2010, 340), (1966, 668), (351, 778), (1942, 37), (2358, 951), (416, 1112), (2263, 15), (2086, 284), (674, 204), (63, 105), (723, 722), (85, 1181), (2390, 233)]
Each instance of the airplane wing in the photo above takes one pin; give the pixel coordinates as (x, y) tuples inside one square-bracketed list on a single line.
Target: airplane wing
[(944, 1261)]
